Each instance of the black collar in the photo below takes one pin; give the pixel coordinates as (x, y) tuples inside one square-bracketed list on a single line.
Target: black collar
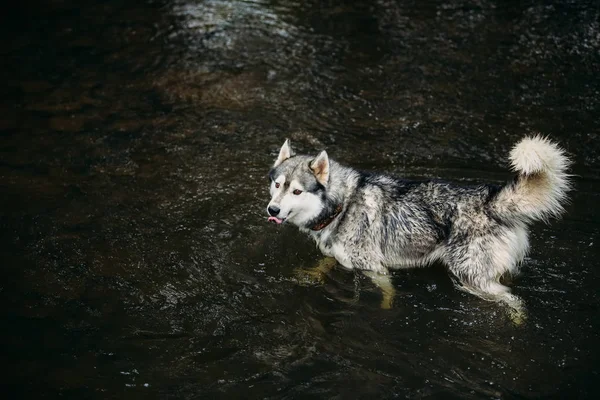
[(322, 223)]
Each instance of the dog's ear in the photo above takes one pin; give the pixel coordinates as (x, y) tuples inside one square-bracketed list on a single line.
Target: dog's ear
[(284, 153), (320, 167)]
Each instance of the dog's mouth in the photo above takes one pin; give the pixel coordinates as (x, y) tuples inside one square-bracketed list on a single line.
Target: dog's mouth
[(276, 220)]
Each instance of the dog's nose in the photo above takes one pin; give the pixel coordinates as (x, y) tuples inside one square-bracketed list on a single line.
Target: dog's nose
[(273, 210)]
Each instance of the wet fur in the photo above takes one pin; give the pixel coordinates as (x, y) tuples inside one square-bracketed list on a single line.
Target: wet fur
[(479, 232)]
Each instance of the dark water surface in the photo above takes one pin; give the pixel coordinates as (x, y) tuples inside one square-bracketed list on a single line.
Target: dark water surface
[(135, 139)]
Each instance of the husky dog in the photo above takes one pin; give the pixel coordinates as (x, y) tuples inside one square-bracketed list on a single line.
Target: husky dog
[(376, 222)]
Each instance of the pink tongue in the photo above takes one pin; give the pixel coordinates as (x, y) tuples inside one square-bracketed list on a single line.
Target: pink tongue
[(275, 219)]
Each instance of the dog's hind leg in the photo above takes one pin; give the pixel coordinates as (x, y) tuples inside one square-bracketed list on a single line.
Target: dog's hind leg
[(384, 283), (479, 261), (490, 289), (495, 291)]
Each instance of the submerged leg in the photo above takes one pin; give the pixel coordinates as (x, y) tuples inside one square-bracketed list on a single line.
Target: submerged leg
[(315, 275), (492, 290), (384, 283)]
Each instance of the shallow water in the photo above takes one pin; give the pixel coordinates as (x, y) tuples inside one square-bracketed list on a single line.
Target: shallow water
[(134, 145)]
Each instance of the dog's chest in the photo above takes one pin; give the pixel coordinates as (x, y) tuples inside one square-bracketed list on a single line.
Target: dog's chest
[(334, 249)]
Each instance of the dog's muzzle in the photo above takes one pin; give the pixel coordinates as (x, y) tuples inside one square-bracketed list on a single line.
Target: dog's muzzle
[(273, 212)]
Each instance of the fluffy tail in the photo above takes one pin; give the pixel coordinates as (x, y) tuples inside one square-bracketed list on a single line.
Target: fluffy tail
[(540, 188)]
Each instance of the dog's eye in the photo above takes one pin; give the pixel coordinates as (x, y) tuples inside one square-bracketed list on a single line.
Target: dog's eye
[(277, 185), (297, 192)]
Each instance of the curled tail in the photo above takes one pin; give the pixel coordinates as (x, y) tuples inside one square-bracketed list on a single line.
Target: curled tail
[(540, 188)]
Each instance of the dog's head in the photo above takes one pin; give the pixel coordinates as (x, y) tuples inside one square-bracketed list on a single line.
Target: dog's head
[(298, 185)]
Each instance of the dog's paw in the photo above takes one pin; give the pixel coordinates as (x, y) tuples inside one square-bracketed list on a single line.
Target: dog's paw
[(518, 316)]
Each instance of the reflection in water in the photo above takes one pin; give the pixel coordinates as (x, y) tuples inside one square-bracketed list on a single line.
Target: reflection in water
[(134, 146)]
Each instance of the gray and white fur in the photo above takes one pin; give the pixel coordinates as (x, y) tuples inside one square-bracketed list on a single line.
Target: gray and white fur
[(376, 222)]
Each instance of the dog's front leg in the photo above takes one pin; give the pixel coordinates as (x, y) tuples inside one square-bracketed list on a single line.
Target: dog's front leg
[(384, 283), (316, 274)]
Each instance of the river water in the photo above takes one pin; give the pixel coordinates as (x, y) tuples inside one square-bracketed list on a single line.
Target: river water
[(135, 141)]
